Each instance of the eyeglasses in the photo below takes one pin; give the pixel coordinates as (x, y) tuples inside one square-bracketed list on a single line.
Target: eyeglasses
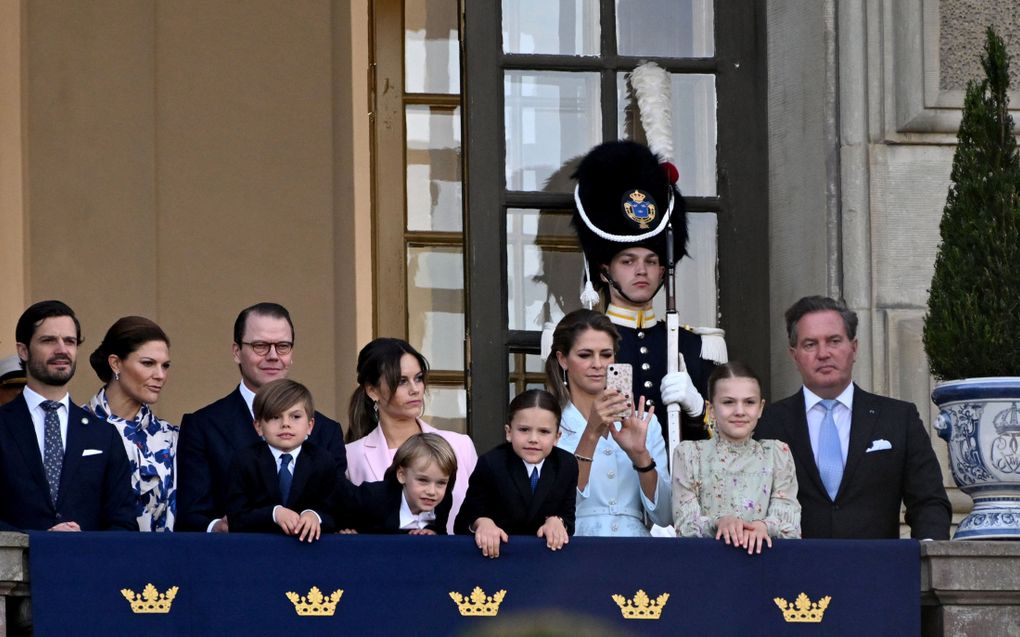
[(262, 348)]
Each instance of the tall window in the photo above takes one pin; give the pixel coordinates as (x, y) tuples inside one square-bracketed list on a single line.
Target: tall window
[(419, 207), (545, 81)]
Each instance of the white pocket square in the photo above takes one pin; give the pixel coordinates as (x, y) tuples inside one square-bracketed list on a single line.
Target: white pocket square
[(91, 452), (878, 445)]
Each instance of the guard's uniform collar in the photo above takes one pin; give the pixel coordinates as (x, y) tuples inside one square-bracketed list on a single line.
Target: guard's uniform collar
[(637, 319)]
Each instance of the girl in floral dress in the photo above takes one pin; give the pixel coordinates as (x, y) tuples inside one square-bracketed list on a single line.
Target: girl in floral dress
[(732, 487)]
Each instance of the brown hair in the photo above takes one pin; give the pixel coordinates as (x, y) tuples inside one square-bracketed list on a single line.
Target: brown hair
[(732, 369), (427, 447), (124, 337), (377, 362), (277, 396), (535, 398), (565, 336), (811, 304)]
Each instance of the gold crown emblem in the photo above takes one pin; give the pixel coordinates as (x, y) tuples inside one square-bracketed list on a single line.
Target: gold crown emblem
[(803, 609), (150, 600), (316, 604), (637, 196), (478, 604), (641, 607)]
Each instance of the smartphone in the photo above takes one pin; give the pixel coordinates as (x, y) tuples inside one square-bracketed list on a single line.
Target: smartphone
[(620, 376)]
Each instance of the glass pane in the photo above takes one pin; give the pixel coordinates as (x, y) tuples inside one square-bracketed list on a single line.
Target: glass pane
[(551, 118), (435, 304), (446, 408), (543, 275), (433, 169), (431, 47), (697, 276), (694, 129), (559, 27), (665, 28)]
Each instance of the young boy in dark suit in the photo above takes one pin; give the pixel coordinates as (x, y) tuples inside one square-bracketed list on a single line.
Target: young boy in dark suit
[(526, 486), (283, 483), (416, 494)]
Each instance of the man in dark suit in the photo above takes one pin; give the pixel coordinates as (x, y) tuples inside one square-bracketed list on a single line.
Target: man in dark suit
[(262, 348), (858, 455), (61, 469)]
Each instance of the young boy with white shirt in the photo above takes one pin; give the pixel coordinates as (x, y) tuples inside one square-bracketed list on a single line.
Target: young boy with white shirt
[(283, 483)]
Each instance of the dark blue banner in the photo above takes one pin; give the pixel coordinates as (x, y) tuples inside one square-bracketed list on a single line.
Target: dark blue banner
[(242, 585)]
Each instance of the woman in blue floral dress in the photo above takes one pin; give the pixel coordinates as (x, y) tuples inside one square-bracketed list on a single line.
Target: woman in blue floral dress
[(133, 361)]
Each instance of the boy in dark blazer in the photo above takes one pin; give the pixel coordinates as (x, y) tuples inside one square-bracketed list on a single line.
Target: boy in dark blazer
[(526, 486), (416, 494), (283, 483)]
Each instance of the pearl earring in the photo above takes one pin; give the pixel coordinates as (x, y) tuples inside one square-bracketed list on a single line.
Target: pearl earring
[(116, 376), (565, 383)]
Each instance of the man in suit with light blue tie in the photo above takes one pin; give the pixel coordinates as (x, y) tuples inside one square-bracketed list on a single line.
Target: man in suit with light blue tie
[(858, 455), (61, 469)]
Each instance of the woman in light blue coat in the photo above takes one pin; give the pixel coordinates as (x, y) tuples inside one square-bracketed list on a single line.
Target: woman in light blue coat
[(623, 481)]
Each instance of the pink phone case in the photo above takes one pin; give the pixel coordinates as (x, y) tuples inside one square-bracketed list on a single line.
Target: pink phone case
[(620, 376)]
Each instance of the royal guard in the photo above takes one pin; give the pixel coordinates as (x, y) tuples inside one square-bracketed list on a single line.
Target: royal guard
[(631, 222)]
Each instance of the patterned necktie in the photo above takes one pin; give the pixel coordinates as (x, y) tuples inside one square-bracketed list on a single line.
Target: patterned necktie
[(53, 447), (830, 452), (285, 476), (534, 479)]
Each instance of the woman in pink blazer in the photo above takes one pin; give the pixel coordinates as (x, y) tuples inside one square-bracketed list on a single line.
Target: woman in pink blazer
[(386, 410)]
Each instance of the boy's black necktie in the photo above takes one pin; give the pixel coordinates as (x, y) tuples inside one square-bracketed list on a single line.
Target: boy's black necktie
[(285, 476)]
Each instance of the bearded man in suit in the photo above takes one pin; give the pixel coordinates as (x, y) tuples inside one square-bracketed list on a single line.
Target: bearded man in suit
[(858, 455), (61, 468)]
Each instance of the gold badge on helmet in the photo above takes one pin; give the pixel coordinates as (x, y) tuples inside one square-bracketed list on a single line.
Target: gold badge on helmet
[(640, 207)]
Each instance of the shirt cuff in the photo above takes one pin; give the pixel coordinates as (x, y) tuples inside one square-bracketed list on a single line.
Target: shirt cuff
[(209, 529), (317, 516)]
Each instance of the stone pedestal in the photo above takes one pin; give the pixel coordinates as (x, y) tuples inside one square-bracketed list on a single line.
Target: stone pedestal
[(970, 588), (14, 611)]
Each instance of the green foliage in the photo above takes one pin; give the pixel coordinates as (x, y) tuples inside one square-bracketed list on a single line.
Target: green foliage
[(973, 324)]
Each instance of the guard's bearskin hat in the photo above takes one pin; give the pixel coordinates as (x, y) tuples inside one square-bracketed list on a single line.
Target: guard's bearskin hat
[(622, 200)]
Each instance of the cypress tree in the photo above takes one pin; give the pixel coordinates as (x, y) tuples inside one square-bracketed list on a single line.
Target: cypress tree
[(972, 327)]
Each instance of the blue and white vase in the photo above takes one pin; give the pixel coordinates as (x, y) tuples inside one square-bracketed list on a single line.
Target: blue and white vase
[(980, 420)]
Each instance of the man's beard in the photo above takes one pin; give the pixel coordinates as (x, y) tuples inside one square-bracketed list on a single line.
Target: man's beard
[(38, 370)]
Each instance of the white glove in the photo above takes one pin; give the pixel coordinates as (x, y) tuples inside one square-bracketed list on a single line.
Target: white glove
[(677, 387)]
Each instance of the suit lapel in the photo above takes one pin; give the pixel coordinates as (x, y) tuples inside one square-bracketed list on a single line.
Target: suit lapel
[(302, 471), (800, 440), (240, 430), (863, 418), (375, 454), (546, 478), (519, 476), (23, 431), (269, 474), (77, 422)]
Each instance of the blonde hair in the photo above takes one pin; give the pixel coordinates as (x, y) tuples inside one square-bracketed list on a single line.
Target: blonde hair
[(427, 447)]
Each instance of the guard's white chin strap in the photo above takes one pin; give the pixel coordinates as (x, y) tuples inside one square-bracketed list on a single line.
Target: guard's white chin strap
[(589, 297)]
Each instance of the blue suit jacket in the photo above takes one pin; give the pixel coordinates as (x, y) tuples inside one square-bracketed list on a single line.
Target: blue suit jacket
[(208, 441), (95, 490)]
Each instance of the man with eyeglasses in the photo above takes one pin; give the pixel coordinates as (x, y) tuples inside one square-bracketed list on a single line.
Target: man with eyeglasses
[(263, 348)]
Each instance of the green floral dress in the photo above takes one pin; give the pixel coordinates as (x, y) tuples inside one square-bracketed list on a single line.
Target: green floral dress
[(752, 480)]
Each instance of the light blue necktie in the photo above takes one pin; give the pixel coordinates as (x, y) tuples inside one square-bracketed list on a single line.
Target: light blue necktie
[(534, 479), (830, 453), (285, 477)]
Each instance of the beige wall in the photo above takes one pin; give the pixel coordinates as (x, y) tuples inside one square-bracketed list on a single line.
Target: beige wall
[(185, 159)]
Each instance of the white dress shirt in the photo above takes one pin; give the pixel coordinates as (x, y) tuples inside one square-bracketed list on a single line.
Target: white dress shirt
[(411, 522), (38, 414)]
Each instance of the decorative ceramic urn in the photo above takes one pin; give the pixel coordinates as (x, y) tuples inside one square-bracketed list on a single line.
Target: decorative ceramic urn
[(980, 420)]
